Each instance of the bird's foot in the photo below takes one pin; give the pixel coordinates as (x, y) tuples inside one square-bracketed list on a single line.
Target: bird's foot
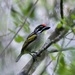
[(35, 53), (33, 56)]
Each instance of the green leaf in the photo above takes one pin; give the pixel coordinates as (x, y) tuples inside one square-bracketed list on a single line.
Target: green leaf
[(73, 16), (28, 10), (62, 66), (57, 46), (70, 48), (12, 31), (59, 25), (25, 8), (67, 27), (16, 23), (27, 28), (73, 29), (19, 39), (17, 17), (53, 58), (63, 20)]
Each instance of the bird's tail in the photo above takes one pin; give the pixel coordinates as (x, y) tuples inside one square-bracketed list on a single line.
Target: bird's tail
[(18, 58)]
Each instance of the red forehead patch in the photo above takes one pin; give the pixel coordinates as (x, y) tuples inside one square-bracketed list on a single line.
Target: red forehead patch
[(43, 24)]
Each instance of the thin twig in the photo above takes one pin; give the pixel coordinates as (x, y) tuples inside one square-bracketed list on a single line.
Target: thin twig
[(4, 35), (68, 33), (69, 41), (65, 49), (56, 63), (19, 28), (70, 38)]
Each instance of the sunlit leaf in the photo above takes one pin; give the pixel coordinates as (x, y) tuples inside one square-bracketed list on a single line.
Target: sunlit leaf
[(73, 29), (16, 23), (59, 25), (17, 17), (57, 46), (26, 9), (73, 16), (62, 66), (53, 57), (63, 20), (19, 38)]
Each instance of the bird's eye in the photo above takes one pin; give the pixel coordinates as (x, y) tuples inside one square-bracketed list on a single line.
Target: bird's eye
[(39, 28)]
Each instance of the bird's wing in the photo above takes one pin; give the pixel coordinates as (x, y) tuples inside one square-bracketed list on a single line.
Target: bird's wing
[(30, 39)]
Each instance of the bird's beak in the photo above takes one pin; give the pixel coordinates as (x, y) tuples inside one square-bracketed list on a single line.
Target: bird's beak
[(45, 28)]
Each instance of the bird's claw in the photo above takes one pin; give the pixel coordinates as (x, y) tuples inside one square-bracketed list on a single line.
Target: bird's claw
[(33, 56), (35, 53)]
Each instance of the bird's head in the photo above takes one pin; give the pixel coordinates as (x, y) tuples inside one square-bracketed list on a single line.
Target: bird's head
[(41, 28)]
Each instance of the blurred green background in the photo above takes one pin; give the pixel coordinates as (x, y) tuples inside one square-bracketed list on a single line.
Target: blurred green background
[(12, 16)]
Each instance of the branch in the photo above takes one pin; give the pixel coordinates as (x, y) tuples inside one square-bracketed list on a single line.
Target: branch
[(19, 28), (61, 9), (46, 45), (70, 41), (65, 49)]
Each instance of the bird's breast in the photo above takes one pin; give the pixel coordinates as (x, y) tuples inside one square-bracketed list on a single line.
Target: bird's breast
[(36, 44)]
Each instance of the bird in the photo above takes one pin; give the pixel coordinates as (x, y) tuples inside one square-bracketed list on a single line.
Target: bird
[(32, 40)]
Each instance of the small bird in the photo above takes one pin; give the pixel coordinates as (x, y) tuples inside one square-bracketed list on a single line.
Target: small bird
[(32, 40)]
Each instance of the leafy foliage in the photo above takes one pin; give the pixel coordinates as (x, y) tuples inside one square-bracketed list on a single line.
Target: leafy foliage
[(57, 46), (19, 38), (18, 16)]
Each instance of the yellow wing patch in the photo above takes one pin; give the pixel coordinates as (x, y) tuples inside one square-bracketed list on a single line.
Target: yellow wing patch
[(31, 38)]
